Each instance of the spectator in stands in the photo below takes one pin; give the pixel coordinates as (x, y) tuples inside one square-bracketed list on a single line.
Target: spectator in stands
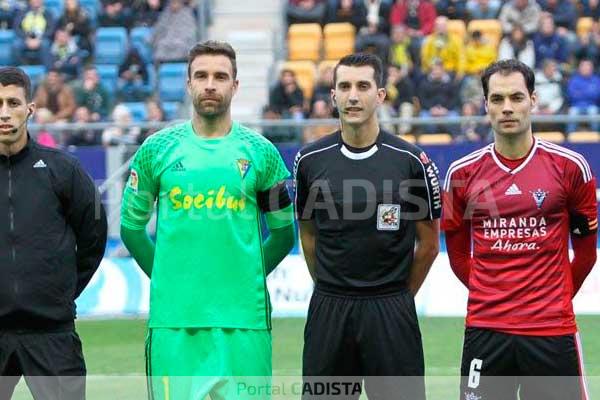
[(8, 10), (91, 93), (525, 13), (479, 53), (472, 131), (122, 132), (550, 94), (419, 18), (378, 13), (175, 33), (453, 9), (401, 96), (400, 53), (550, 45), (286, 97), (55, 96), (115, 13), (65, 55), (590, 8), (305, 11), (446, 48), (321, 110), (483, 9), (588, 46), (44, 116), (278, 134), (583, 93), (471, 90), (154, 113), (564, 13), (133, 78), (417, 15), (373, 41), (517, 46), (352, 11), (437, 95), (146, 12), (78, 24), (322, 90), (84, 136), (34, 28)]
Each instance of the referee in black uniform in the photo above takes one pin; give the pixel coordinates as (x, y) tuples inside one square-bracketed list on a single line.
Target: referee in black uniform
[(52, 239), (364, 198)]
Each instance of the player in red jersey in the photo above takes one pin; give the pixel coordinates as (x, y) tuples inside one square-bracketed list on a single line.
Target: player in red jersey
[(509, 211)]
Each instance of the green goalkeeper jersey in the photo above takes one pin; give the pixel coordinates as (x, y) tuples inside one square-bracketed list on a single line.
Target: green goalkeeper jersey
[(208, 266)]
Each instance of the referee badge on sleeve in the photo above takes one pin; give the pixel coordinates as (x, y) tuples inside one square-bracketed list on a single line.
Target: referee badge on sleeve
[(388, 217)]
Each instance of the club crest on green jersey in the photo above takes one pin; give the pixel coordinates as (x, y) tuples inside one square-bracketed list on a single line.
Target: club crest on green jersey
[(243, 166)]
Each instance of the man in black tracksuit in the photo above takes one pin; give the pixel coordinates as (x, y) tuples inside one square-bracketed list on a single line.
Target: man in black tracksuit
[(52, 239)]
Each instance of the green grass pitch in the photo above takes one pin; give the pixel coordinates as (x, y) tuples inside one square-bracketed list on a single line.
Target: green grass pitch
[(114, 351)]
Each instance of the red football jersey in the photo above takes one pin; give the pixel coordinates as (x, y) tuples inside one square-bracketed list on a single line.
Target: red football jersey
[(520, 221)]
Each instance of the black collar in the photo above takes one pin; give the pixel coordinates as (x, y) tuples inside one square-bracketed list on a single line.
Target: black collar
[(21, 154)]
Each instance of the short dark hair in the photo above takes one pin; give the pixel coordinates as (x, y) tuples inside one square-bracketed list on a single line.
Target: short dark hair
[(506, 67), (214, 48), (361, 60), (18, 77)]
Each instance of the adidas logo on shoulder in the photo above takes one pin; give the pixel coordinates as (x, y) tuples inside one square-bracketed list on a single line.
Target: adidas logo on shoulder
[(178, 167), (39, 164), (513, 190)]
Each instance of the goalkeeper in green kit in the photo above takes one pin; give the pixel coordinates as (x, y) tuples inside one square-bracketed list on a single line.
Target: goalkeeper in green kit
[(210, 316)]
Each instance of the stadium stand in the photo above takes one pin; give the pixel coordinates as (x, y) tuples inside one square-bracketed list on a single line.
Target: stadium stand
[(171, 81), (36, 73), (338, 40), (306, 75), (304, 42), (553, 136), (108, 74), (111, 45), (7, 36)]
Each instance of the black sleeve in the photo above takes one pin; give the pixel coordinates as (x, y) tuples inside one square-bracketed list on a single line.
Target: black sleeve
[(87, 218), (427, 188), (301, 189), (275, 199)]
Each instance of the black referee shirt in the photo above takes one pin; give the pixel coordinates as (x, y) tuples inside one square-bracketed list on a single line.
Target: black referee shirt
[(364, 203)]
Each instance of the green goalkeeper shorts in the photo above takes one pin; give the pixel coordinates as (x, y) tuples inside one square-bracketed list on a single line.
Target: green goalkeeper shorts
[(189, 364)]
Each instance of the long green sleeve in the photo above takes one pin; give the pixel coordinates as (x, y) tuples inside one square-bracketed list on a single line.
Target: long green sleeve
[(140, 246)]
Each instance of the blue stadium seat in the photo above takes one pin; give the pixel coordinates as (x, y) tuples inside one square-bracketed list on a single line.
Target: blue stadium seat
[(37, 73), (55, 6), (151, 77), (6, 53), (141, 37), (109, 75), (137, 110), (170, 108), (171, 81), (92, 7), (111, 45)]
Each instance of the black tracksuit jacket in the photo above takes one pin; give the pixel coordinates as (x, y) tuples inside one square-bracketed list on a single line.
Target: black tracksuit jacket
[(52, 237)]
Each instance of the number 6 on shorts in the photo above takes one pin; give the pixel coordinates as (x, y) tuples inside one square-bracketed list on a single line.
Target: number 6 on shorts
[(474, 373)]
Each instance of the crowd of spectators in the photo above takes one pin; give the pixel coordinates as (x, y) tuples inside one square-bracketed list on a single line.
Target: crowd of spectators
[(62, 40), (427, 65)]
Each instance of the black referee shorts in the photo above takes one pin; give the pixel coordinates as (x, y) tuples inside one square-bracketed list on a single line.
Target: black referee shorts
[(371, 337), (51, 362), (496, 365)]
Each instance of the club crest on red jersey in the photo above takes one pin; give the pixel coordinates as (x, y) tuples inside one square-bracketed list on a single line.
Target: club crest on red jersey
[(539, 196)]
